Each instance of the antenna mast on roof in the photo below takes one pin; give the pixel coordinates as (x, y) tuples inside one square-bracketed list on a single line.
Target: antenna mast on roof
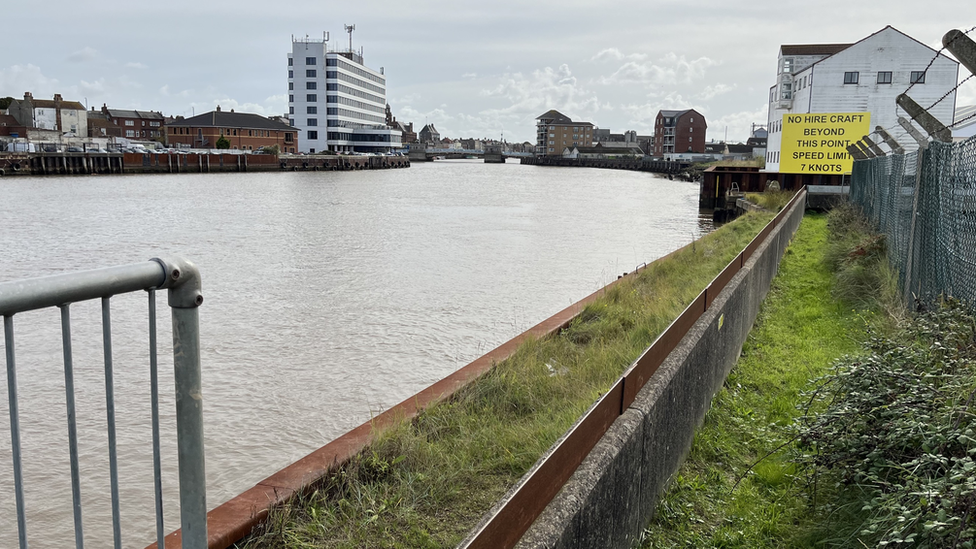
[(349, 29)]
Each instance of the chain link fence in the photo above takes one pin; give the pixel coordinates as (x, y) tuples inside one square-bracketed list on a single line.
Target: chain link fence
[(925, 204)]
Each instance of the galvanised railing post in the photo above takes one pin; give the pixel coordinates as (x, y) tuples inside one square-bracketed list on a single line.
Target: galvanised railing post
[(185, 298)]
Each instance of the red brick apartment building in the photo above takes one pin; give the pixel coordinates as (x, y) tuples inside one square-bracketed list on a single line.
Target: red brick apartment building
[(134, 124), (245, 131), (678, 132)]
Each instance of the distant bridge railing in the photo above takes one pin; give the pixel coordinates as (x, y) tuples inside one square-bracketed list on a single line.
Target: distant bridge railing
[(474, 151), (182, 280)]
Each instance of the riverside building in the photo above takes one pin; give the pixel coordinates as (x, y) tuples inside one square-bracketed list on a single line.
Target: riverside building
[(335, 101), (859, 79)]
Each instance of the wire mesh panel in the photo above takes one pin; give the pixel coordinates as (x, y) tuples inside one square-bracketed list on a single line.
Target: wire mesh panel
[(925, 205)]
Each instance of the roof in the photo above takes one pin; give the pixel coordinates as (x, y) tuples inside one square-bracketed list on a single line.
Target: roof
[(812, 49), (739, 148), (121, 113), (845, 46), (555, 116), (8, 120), (214, 119), (50, 104)]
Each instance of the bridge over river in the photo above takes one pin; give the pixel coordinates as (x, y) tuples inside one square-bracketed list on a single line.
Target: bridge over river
[(491, 154)]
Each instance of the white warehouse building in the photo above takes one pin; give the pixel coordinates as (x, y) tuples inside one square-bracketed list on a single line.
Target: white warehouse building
[(865, 76), (336, 102)]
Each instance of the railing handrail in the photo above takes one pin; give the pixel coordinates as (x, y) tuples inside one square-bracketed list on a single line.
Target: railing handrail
[(182, 279)]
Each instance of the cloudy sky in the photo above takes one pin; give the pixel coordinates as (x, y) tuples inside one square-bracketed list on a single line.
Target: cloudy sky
[(474, 69)]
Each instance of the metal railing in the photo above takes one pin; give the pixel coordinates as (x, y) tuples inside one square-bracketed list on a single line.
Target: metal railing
[(181, 278)]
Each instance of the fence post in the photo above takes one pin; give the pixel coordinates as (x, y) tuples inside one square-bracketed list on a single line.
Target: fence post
[(911, 232), (185, 298)]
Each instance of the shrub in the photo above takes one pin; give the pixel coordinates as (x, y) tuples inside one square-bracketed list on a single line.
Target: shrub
[(895, 433)]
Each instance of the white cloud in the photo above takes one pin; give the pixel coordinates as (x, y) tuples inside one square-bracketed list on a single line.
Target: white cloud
[(136, 65), (613, 54), (91, 88), (227, 104), (545, 89), (672, 69), (85, 54), (165, 92), (710, 92), (23, 78), (470, 75), (739, 124)]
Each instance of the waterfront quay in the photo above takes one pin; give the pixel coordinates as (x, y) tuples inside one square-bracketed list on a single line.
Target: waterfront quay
[(90, 163), (635, 164)]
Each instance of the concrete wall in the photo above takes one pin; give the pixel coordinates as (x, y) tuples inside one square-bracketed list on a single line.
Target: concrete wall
[(613, 494)]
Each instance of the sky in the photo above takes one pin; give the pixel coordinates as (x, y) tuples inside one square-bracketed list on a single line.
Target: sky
[(473, 69)]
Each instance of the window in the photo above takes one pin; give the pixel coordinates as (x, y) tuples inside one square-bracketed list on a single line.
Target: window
[(290, 61), (689, 140), (309, 85), (312, 134), (311, 109), (130, 133), (291, 122), (691, 119), (291, 74), (311, 97), (884, 77), (851, 77), (312, 122), (291, 86), (291, 98), (918, 77), (691, 130), (787, 64), (130, 123), (291, 110), (311, 151), (331, 62), (309, 60), (310, 73)]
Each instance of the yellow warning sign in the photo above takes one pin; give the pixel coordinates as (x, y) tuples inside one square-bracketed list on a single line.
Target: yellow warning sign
[(817, 142)]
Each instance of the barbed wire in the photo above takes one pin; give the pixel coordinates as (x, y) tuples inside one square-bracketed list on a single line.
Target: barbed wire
[(955, 123)]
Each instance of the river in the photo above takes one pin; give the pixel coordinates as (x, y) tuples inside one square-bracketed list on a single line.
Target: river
[(329, 297)]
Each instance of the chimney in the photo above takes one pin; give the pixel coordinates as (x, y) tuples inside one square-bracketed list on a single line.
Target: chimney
[(28, 96), (57, 98), (104, 108), (218, 108)]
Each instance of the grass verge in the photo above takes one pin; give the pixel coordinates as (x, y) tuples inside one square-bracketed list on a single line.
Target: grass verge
[(427, 482), (771, 200), (718, 499)]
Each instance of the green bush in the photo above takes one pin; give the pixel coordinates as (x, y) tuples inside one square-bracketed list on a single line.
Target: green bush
[(893, 433)]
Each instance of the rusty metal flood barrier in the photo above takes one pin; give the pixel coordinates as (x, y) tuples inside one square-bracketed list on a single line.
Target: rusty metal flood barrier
[(235, 519), (513, 518)]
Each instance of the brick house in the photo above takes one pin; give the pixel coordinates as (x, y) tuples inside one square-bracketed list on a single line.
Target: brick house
[(245, 131), (55, 115), (678, 132), (135, 124)]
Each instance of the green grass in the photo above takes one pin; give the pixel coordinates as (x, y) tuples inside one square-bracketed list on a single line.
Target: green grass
[(427, 482), (716, 499), (771, 200)]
